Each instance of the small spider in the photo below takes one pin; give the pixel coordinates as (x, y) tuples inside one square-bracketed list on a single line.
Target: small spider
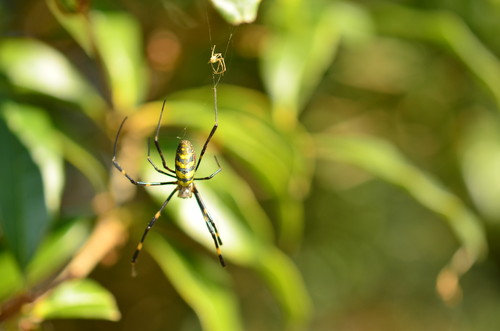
[(220, 68)]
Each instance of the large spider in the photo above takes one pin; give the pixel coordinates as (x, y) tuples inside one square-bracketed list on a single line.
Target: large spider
[(184, 174)]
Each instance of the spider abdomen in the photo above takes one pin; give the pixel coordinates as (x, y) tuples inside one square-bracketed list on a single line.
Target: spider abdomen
[(185, 162)]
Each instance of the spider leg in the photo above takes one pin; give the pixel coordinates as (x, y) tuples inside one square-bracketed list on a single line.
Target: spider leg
[(119, 167), (210, 225), (214, 68), (150, 225), (216, 125), (215, 173), (154, 165), (223, 65), (157, 144)]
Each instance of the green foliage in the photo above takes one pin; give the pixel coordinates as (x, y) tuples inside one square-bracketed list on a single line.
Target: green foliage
[(214, 303), (82, 298), (382, 160), (24, 216), (359, 144)]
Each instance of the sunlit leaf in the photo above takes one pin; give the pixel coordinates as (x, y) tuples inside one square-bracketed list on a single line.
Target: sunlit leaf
[(237, 11), (382, 159), (82, 298), (213, 302), (23, 214)]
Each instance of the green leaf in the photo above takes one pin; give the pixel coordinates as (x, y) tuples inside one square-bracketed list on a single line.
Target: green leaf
[(57, 249), (287, 285), (23, 214), (83, 298), (84, 161), (296, 56), (75, 21), (382, 159), (118, 40), (197, 283), (33, 65), (113, 39), (12, 280), (237, 11), (447, 30), (32, 125)]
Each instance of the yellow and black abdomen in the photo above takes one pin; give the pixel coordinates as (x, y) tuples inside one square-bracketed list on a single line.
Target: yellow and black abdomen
[(185, 163)]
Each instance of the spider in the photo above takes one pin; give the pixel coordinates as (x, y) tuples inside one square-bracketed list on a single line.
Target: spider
[(184, 175), (220, 68)]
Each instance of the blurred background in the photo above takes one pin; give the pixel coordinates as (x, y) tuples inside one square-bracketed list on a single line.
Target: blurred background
[(360, 147)]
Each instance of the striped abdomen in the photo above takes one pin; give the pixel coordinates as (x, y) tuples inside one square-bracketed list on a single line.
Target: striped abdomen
[(185, 163)]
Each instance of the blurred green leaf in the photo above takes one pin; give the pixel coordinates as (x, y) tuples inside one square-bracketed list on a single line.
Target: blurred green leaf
[(84, 161), (23, 214), (118, 40), (480, 155), (213, 302), (75, 20), (12, 280), (297, 55), (33, 126), (113, 39), (286, 282), (83, 298), (382, 159), (448, 30), (30, 64), (57, 249), (237, 11)]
